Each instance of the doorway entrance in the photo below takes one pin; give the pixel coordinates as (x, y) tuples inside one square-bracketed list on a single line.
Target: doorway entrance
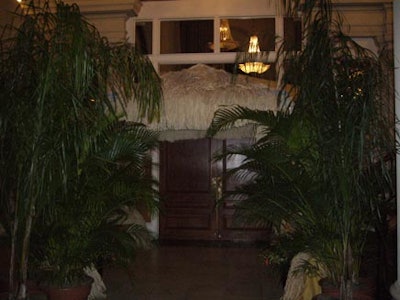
[(190, 186)]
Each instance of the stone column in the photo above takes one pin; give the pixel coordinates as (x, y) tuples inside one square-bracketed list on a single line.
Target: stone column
[(109, 16)]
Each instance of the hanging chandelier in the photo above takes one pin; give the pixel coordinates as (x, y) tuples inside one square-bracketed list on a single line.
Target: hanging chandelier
[(226, 41), (254, 58)]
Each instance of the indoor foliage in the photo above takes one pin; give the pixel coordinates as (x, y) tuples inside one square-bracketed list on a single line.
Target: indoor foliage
[(62, 83), (322, 166)]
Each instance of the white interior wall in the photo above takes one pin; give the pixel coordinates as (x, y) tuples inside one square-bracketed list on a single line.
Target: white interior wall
[(182, 9)]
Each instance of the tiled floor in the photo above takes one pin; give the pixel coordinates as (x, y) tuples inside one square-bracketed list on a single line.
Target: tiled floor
[(194, 272)]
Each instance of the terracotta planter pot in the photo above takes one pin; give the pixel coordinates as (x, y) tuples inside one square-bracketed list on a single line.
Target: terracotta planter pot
[(365, 290), (72, 293)]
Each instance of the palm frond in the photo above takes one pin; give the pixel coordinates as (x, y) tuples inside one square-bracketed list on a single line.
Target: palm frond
[(63, 88), (228, 117)]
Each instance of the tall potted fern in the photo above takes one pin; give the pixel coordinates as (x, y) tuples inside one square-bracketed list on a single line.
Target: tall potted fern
[(321, 164), (60, 82)]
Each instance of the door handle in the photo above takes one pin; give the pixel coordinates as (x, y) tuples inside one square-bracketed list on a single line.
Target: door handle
[(216, 185)]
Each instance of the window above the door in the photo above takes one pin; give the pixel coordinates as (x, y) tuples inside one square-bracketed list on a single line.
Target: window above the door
[(213, 41), (231, 35)]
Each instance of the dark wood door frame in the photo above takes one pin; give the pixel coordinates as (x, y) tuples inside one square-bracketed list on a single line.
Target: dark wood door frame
[(190, 210)]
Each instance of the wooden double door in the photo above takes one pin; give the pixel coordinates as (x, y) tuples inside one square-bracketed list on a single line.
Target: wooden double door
[(191, 183)]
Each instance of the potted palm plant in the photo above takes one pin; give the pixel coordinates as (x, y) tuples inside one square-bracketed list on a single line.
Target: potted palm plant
[(321, 165), (62, 83), (86, 230)]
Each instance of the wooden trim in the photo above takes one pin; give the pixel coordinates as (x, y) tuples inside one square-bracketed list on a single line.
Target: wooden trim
[(109, 7)]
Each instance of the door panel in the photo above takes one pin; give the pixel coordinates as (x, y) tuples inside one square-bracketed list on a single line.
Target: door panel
[(185, 174), (229, 227), (190, 210)]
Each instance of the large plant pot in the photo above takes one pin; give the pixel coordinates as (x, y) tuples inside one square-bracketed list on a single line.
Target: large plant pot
[(71, 293), (365, 290)]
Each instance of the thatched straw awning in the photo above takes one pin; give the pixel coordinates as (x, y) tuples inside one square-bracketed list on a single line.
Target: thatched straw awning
[(191, 96)]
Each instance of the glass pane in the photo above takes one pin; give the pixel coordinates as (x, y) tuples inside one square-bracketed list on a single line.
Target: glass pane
[(143, 37), (235, 161), (186, 36), (293, 36), (263, 28)]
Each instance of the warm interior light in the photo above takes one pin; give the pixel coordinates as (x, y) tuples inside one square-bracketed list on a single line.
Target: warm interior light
[(254, 46), (254, 63), (226, 41), (254, 67)]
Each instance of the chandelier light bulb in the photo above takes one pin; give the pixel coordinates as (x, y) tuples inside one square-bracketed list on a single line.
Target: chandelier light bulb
[(254, 63)]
